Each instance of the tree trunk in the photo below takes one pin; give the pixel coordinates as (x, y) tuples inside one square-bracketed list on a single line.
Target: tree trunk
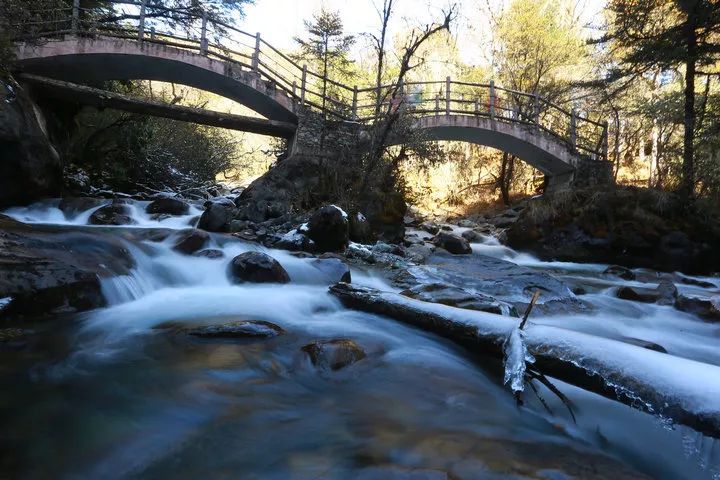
[(687, 185), (649, 381), (506, 174)]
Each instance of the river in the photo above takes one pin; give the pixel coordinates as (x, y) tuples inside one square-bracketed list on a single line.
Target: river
[(115, 393)]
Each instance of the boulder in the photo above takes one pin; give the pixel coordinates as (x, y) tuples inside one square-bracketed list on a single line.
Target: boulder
[(72, 206), (472, 236), (294, 241), (360, 230), (430, 227), (460, 298), (334, 354), (329, 229), (333, 269), (664, 294), (237, 329), (190, 241), (168, 205), (30, 167), (419, 253), (257, 267), (209, 253), (620, 271), (452, 243), (112, 214), (217, 215), (706, 308)]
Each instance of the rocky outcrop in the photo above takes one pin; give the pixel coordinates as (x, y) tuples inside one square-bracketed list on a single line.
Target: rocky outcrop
[(30, 167), (237, 329), (334, 354), (257, 267), (217, 216), (452, 243), (170, 206), (629, 226), (329, 229), (46, 271)]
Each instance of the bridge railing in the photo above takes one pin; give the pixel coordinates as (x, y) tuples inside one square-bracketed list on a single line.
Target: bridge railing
[(249, 53)]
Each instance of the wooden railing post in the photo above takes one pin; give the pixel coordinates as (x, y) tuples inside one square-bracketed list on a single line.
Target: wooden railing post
[(141, 25), (303, 85), (536, 109), (447, 96), (203, 34), (256, 54), (152, 33), (573, 129), (294, 96), (76, 16), (355, 102), (492, 100)]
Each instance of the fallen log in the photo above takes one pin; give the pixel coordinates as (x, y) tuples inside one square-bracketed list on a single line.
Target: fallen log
[(683, 391)]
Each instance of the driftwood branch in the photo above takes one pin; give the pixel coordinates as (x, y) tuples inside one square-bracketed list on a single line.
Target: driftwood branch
[(650, 381)]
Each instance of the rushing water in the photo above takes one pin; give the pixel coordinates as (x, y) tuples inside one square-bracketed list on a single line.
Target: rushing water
[(108, 394)]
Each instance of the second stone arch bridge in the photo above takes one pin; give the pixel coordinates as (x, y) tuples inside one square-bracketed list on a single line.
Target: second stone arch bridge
[(135, 42)]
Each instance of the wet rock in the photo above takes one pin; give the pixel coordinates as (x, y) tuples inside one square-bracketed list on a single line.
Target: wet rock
[(472, 236), (14, 337), (460, 298), (620, 271), (419, 253), (47, 271), (237, 329), (644, 344), (333, 269), (170, 206), (217, 215), (452, 243), (382, 247), (430, 227), (190, 241), (694, 282), (707, 308), (329, 229), (257, 267), (294, 241), (239, 225), (113, 214), (334, 354), (465, 223), (209, 253), (355, 250), (664, 294), (360, 229), (503, 280), (72, 206)]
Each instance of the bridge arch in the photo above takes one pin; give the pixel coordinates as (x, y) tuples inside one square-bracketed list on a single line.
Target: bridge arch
[(87, 60), (552, 157)]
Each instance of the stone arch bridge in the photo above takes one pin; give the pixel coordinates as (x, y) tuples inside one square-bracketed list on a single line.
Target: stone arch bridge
[(68, 54)]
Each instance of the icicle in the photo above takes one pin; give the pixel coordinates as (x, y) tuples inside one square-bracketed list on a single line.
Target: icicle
[(516, 359)]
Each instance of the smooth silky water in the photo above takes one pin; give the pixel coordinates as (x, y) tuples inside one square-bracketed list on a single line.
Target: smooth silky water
[(117, 393)]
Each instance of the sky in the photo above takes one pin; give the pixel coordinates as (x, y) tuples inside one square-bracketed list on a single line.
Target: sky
[(279, 21)]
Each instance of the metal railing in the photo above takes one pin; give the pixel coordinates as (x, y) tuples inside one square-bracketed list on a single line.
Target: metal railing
[(193, 29)]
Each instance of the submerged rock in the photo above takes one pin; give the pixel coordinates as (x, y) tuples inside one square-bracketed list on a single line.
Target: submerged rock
[(334, 354), (217, 215), (210, 253), (190, 241), (112, 214), (460, 298), (472, 236), (644, 344), (257, 267), (237, 329), (452, 243), (329, 229), (707, 308), (170, 206), (71, 206), (619, 271), (333, 269), (664, 294)]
